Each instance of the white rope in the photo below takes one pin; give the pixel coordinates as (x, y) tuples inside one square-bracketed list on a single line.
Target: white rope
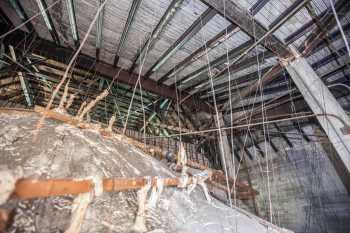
[(80, 205), (200, 179), (137, 82), (205, 190), (210, 74), (156, 192), (98, 185), (183, 180), (57, 88), (193, 185), (139, 224)]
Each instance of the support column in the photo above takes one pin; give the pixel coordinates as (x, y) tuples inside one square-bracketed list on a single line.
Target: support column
[(321, 101), (226, 151)]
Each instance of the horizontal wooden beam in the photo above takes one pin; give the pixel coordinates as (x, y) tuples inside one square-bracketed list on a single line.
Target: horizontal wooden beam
[(32, 188)]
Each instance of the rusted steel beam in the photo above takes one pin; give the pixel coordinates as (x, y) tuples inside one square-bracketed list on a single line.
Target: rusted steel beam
[(109, 72)]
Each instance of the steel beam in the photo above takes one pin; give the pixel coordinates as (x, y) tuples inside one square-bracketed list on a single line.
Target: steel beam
[(337, 70), (244, 64), (16, 9), (48, 20), (208, 45), (212, 43), (280, 77), (295, 4), (243, 19), (302, 30), (258, 6), (255, 30), (217, 62), (132, 12), (271, 89), (167, 16), (256, 144), (272, 144), (72, 21), (99, 26), (334, 36), (342, 51), (186, 36), (90, 93), (235, 82), (55, 52)]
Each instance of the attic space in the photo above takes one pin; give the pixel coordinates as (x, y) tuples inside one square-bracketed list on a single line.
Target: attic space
[(175, 116)]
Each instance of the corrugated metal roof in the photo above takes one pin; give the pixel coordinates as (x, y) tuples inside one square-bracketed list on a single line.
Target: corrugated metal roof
[(148, 15), (188, 13)]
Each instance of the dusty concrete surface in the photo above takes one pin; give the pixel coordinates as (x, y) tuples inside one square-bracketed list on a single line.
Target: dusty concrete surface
[(62, 151), (307, 194)]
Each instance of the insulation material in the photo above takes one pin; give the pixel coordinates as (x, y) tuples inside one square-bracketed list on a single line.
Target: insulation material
[(7, 184), (63, 151)]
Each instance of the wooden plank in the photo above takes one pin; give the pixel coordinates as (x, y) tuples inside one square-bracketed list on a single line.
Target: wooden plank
[(32, 188)]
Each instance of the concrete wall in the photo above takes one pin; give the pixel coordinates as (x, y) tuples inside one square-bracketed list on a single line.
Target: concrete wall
[(305, 191)]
